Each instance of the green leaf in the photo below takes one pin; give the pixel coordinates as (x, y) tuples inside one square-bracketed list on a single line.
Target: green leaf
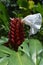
[(22, 3), (39, 8), (16, 58), (6, 50), (19, 59), (35, 47), (3, 61), (24, 47), (41, 62), (25, 53), (4, 16), (3, 40), (31, 4), (3, 54)]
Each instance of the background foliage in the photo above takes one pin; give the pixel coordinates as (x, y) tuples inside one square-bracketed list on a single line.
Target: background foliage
[(31, 51)]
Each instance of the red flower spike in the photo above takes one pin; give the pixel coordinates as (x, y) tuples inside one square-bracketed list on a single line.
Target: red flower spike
[(16, 34)]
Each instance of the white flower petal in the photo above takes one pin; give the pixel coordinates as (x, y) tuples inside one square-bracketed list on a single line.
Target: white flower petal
[(36, 26), (26, 21), (34, 21), (33, 31), (31, 19), (38, 20)]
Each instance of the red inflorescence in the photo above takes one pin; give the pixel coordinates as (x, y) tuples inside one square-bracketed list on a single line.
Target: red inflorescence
[(16, 34)]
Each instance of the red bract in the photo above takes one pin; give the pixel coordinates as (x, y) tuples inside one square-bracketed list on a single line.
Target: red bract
[(16, 34)]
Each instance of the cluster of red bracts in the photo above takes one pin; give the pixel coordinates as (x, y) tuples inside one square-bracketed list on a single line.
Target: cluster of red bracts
[(16, 34)]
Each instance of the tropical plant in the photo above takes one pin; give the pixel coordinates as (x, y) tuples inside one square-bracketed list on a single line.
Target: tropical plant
[(30, 52)]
